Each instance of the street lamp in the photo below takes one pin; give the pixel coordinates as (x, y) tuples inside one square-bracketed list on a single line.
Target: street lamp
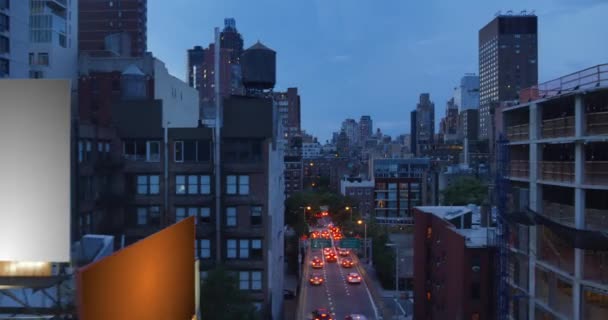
[(351, 211), (359, 222)]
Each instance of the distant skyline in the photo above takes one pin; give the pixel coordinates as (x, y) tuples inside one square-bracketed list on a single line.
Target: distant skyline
[(368, 58)]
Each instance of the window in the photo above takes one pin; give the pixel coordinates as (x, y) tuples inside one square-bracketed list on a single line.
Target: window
[(193, 184), (231, 217), (231, 248), (205, 249), (148, 184), (141, 150), (180, 214), (256, 249), (4, 67), (4, 44), (4, 22), (148, 215), (250, 280), (80, 151), (256, 215), (4, 4), (429, 232), (43, 59), (189, 150), (241, 187), (244, 249), (178, 151), (31, 59), (153, 151)]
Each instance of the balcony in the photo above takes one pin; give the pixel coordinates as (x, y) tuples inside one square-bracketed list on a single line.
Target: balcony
[(519, 132), (519, 169), (561, 213), (558, 127), (558, 171), (596, 172), (596, 219), (597, 123)]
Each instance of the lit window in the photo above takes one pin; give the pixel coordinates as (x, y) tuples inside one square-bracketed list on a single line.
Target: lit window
[(231, 218), (231, 248)]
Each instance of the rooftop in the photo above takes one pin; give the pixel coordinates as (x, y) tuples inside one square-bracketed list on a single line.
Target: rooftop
[(476, 236)]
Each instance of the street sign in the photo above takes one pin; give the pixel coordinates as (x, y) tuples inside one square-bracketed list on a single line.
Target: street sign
[(350, 243), (320, 243)]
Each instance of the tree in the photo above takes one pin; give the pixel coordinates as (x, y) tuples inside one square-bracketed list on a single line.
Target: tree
[(221, 298), (465, 190)]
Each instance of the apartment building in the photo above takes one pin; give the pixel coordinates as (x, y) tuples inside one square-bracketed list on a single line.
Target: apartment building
[(557, 137)]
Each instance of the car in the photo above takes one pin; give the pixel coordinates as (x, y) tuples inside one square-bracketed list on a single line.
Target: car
[(316, 263), (343, 252), (355, 317), (353, 277), (327, 251), (347, 263), (316, 279), (321, 314), (331, 257)]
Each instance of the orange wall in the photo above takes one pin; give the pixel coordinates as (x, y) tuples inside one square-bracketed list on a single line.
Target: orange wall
[(151, 279)]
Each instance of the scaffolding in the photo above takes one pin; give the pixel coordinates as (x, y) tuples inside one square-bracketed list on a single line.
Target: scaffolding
[(501, 196)]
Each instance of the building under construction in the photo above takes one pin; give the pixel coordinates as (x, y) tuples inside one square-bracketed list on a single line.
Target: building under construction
[(557, 249)]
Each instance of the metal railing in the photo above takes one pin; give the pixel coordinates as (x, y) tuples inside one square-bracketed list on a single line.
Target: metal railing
[(593, 77), (519, 132), (596, 219), (558, 127), (597, 123), (596, 172), (561, 213), (560, 171), (520, 168)]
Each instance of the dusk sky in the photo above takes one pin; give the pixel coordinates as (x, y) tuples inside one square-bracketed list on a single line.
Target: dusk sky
[(354, 57)]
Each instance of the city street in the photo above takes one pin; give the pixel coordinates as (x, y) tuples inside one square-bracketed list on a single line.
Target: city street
[(335, 294)]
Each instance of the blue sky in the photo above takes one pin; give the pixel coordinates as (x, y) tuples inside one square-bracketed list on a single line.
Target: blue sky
[(374, 57)]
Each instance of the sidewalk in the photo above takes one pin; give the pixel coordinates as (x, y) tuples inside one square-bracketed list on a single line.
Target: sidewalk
[(389, 308)]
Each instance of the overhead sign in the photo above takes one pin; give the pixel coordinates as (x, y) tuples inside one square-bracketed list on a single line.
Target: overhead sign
[(350, 243), (320, 243)]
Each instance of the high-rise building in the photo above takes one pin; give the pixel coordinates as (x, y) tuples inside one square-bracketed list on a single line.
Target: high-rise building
[(508, 53), (413, 147), (558, 252), (14, 32), (232, 40), (196, 57), (111, 28), (466, 95), (53, 30), (351, 128), (425, 124), (366, 128), (448, 128), (288, 103)]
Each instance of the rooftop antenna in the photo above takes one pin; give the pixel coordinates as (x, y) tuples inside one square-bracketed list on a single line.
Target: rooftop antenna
[(523, 12), (510, 12)]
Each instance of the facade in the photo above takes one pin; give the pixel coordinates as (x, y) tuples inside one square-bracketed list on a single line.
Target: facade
[(294, 175), (449, 124), (53, 30), (196, 57), (362, 191), (366, 128), (400, 185), (557, 141), (466, 95), (289, 112), (425, 124), (508, 53), (351, 128), (468, 124), (111, 28), (413, 137), (454, 265), (14, 28), (311, 150)]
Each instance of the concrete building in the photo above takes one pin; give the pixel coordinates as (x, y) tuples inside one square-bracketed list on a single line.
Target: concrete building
[(311, 150), (53, 51), (351, 128), (466, 95), (195, 60), (425, 125), (366, 128), (362, 191), (294, 175), (111, 28), (454, 265), (289, 112), (558, 170), (449, 124), (14, 35), (400, 185), (508, 53)]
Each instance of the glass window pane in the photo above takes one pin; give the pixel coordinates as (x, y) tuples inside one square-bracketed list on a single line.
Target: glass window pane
[(142, 179), (142, 216), (192, 184), (154, 179), (180, 214), (180, 184), (192, 212), (256, 244), (205, 212)]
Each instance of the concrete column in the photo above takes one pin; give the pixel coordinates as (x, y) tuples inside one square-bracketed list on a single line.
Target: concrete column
[(535, 204), (579, 202), (579, 116)]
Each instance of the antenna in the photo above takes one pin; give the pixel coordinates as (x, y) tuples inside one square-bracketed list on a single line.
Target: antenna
[(523, 12), (510, 12)]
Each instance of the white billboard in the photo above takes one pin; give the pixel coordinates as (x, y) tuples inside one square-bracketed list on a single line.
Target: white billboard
[(35, 170)]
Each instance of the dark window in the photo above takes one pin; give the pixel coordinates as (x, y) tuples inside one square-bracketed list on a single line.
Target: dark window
[(179, 151), (190, 150), (4, 44), (475, 291), (4, 22), (256, 249), (256, 215), (5, 4), (4, 69), (204, 151)]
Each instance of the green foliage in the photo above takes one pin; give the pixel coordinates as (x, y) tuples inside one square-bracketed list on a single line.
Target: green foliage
[(221, 298), (294, 209), (465, 190)]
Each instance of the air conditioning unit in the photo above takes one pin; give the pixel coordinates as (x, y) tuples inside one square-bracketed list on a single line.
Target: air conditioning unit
[(476, 268)]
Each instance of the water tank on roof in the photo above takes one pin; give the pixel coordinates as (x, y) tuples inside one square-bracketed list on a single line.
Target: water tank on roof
[(258, 65)]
